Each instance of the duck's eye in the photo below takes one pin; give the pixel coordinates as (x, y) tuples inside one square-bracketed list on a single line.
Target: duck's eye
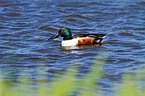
[(60, 31)]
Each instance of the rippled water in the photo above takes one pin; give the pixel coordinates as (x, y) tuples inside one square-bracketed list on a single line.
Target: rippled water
[(25, 26)]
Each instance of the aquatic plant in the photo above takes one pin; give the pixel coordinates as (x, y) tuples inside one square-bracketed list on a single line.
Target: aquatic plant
[(132, 84), (68, 85)]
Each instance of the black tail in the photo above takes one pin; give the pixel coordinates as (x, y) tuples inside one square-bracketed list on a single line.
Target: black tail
[(99, 37)]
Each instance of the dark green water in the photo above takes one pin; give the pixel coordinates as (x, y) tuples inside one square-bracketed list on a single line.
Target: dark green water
[(25, 26)]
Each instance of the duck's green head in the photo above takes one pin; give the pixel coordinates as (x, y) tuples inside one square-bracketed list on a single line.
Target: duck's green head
[(63, 32)]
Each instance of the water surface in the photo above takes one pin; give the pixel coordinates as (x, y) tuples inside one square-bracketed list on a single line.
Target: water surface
[(25, 26)]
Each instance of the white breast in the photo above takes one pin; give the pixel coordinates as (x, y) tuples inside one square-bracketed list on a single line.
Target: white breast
[(72, 42)]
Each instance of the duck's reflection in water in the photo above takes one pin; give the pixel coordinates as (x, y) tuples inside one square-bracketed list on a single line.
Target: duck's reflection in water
[(78, 49)]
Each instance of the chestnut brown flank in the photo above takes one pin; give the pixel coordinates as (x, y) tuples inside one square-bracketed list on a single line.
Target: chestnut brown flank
[(86, 41)]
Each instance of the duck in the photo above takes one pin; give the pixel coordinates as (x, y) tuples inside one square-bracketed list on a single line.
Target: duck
[(77, 40)]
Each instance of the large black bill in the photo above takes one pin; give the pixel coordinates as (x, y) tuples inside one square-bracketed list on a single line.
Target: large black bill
[(55, 36)]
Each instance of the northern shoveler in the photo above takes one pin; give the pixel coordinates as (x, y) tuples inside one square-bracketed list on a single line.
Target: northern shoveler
[(80, 39)]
